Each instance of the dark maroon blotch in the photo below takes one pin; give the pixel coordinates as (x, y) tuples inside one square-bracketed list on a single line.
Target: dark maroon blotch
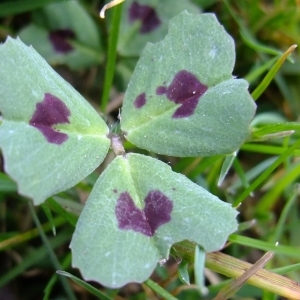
[(60, 40), (115, 191), (51, 111), (185, 89), (146, 14), (157, 211), (140, 100)]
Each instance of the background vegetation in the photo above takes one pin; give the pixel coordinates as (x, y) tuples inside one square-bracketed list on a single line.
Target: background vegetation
[(264, 176)]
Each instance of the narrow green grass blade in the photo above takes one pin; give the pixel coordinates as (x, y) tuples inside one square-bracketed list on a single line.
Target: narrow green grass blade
[(199, 265), (267, 118), (51, 253), (49, 216), (252, 43), (284, 216), (85, 285), (48, 289), (243, 226), (159, 290), (265, 246), (27, 236), (287, 269), (200, 165), (267, 149), (9, 7), (273, 129), (252, 174), (271, 74), (111, 55), (55, 206), (228, 161), (266, 173), (269, 199), (34, 257), (254, 74), (242, 176)]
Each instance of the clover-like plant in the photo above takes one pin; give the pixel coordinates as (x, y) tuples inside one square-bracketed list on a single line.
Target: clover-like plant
[(182, 100)]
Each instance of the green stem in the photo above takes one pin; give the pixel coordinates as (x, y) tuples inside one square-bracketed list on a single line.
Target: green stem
[(159, 290), (51, 253), (111, 55)]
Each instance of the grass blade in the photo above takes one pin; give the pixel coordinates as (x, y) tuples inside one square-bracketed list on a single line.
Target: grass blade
[(271, 74), (159, 290), (51, 253), (85, 285), (266, 173), (111, 55)]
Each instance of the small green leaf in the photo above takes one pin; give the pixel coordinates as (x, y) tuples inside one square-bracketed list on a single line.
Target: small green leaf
[(136, 211), (50, 136), (145, 21), (64, 33), (182, 99)]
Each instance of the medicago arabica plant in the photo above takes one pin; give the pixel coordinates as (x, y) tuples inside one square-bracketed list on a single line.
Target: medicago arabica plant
[(182, 101)]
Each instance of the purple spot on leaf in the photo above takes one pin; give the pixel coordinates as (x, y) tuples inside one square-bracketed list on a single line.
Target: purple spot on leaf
[(185, 89), (146, 14), (51, 111), (140, 100), (157, 211), (59, 39), (161, 90), (115, 190)]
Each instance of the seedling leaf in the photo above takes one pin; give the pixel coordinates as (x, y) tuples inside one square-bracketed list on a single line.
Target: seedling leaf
[(136, 211), (64, 33), (147, 21), (182, 99), (50, 136)]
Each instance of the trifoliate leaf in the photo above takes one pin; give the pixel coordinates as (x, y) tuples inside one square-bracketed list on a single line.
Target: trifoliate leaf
[(136, 211), (50, 136), (182, 99)]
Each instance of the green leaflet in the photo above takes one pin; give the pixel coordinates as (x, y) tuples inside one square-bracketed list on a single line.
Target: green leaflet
[(182, 99), (146, 21), (64, 33), (50, 136), (136, 211)]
